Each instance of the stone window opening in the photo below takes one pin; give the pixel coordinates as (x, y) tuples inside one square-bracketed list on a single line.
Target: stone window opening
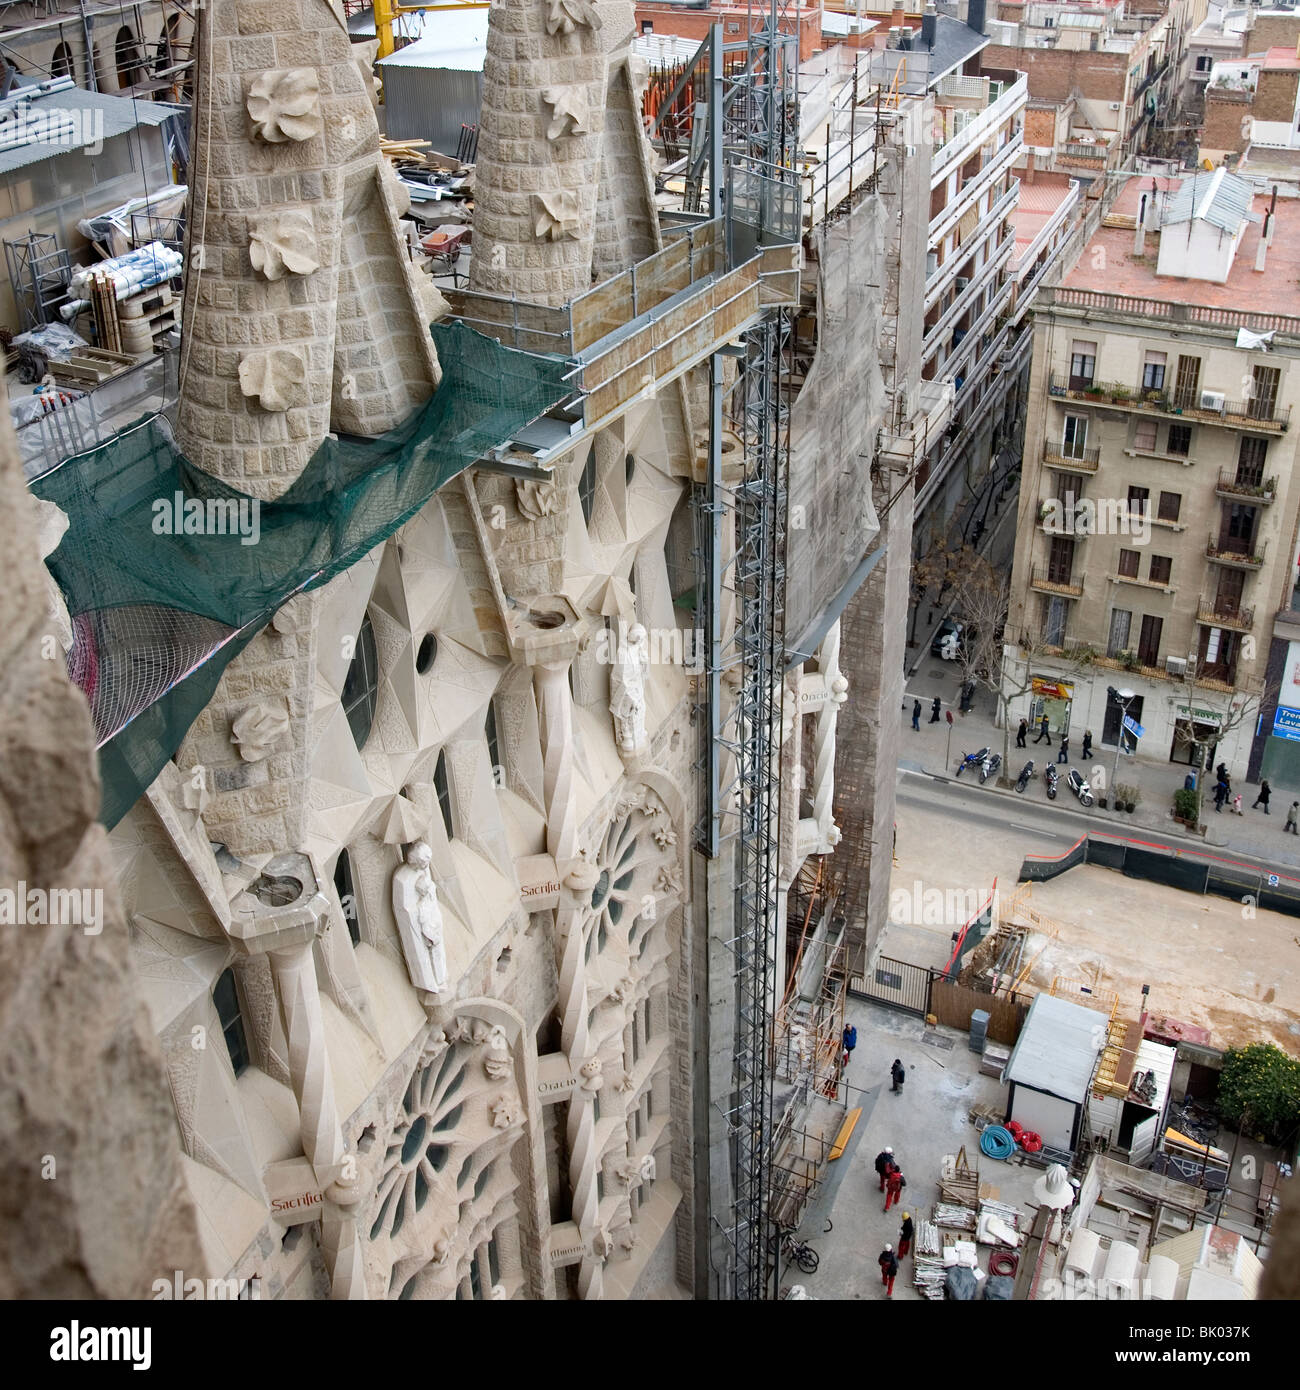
[(443, 789), (427, 653), (361, 688), (493, 745), (587, 485), (346, 888), (225, 996)]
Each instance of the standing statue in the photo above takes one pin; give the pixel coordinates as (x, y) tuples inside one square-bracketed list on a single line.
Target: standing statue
[(627, 689), (419, 920)]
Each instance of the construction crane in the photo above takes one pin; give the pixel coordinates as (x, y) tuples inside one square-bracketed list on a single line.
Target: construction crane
[(386, 12)]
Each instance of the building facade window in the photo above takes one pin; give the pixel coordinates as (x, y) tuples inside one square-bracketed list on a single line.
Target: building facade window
[(1144, 436), (226, 998), (1074, 437), (361, 688), (1159, 569), (1179, 441), (1171, 503), (1149, 642), (1153, 372), (1188, 382), (1060, 560), (1121, 619), (427, 654), (1128, 563), (493, 745), (1139, 501), (1251, 457), (61, 63), (587, 485), (1054, 613), (1264, 382), (1083, 364)]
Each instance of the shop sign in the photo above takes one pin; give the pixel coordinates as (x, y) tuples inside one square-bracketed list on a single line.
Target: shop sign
[(1200, 716), (1286, 723), (1052, 690)]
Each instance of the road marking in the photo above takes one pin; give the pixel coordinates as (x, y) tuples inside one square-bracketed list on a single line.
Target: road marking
[(1034, 830)]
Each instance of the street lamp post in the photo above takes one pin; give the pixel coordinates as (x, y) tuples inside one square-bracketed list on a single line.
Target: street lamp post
[(1123, 698)]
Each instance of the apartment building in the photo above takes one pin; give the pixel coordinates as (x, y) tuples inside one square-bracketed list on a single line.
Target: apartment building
[(1157, 525), (1104, 79)]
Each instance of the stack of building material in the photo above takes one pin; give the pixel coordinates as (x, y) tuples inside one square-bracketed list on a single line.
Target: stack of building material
[(956, 1218), (995, 1058), (959, 1182), (979, 1027), (88, 367), (928, 1242), (145, 319), (928, 1275)]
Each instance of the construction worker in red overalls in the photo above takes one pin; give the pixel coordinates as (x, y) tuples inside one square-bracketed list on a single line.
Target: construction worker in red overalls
[(884, 1161), (895, 1182), (888, 1263), (905, 1235)]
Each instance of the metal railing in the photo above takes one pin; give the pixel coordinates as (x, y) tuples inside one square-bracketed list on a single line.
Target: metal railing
[(977, 131), (1142, 307), (1227, 553), (1212, 613), (1263, 493), (1238, 414), (1040, 578), (1084, 461)]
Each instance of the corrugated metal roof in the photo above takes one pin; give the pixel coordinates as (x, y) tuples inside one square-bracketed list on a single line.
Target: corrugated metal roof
[(1057, 1048), (1220, 198), (457, 41), (97, 116)]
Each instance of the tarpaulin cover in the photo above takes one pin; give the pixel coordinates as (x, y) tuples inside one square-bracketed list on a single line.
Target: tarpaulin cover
[(158, 617)]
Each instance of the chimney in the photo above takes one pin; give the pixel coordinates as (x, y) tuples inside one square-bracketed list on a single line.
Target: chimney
[(929, 27), (896, 17), (975, 15), (1140, 236), (1272, 215), (905, 38)]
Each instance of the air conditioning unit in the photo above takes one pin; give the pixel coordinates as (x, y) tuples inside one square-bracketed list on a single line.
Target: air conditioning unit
[(1176, 665), (1213, 400), (961, 282), (1114, 106)]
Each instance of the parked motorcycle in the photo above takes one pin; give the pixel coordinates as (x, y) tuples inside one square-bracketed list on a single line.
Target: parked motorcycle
[(1050, 775), (1078, 784), (1026, 773), (971, 760), (990, 765)]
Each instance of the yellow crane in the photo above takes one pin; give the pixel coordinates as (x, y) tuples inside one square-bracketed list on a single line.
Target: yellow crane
[(386, 11)]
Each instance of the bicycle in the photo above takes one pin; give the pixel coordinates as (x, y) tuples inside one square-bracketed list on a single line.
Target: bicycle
[(795, 1251)]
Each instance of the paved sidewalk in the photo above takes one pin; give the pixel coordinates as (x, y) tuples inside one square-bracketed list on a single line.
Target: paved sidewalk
[(931, 750)]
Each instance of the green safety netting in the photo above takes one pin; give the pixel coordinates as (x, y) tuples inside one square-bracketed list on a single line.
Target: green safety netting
[(158, 616)]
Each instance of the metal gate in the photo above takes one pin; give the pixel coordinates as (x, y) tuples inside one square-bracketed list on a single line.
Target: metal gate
[(895, 982)]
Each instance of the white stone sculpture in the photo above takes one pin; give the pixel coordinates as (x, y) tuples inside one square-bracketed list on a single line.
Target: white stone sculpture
[(503, 1112), (259, 728), (284, 104), (668, 880), (441, 1251), (568, 107), (419, 920), (283, 243), (564, 16), (273, 375), (535, 499), (601, 1245), (590, 1071), (497, 1062), (664, 834), (627, 679), (557, 214)]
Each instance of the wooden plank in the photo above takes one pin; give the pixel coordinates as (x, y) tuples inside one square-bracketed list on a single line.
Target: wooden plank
[(845, 1134)]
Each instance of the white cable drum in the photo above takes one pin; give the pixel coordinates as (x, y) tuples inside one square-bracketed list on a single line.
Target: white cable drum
[(1082, 1258), (1162, 1278), (1120, 1274)]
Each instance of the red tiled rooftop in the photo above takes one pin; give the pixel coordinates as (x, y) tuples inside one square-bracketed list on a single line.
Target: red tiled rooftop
[(1039, 202), (1275, 290), (1282, 58)]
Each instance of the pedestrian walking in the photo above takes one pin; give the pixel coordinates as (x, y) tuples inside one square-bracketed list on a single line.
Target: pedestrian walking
[(888, 1263), (850, 1041), (1220, 795), (1021, 732), (916, 714), (884, 1162), (1265, 791), (1064, 755), (905, 1235), (1291, 816), (1044, 732), (934, 710), (1087, 744), (895, 1182), (1236, 805), (899, 1073)]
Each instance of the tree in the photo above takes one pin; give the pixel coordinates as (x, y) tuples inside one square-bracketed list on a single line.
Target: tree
[(1241, 707), (937, 569), (1259, 1088)]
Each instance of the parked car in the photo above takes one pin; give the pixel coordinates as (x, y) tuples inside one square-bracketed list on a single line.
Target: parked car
[(946, 630)]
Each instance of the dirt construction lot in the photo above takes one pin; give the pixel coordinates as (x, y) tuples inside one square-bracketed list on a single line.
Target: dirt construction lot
[(1209, 961)]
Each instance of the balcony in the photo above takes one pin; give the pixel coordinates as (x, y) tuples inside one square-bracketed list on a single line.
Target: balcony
[(1234, 415), (988, 223), (1040, 580), (1085, 461), (1218, 554), (1098, 150), (975, 132), (1211, 613), (969, 193), (1231, 490)]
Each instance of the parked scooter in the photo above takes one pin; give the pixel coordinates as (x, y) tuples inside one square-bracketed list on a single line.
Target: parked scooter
[(1026, 773), (990, 765), (971, 760), (1050, 775), (1078, 784)]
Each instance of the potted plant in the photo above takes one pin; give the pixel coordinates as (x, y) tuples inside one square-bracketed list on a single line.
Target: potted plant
[(1131, 798), (1186, 807), (1130, 661)]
